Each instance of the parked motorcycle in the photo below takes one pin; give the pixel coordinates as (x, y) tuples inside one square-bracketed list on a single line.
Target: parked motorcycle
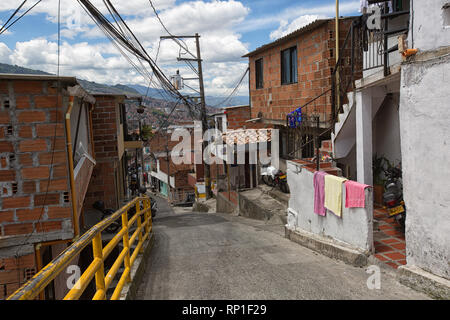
[(275, 178), (113, 227), (393, 195), (100, 206)]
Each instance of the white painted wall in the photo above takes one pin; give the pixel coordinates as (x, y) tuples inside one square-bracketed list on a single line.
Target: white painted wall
[(429, 29), (386, 131), (425, 137), (355, 228)]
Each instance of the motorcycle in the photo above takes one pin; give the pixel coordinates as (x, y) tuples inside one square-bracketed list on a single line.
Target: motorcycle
[(274, 177), (114, 226), (393, 195), (100, 206)]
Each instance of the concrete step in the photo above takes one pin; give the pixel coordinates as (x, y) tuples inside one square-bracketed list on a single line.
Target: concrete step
[(260, 205)]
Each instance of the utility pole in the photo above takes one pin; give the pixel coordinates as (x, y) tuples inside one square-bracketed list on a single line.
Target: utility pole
[(198, 59), (168, 166), (338, 89)]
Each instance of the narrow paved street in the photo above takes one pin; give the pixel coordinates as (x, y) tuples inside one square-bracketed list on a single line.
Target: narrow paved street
[(215, 256)]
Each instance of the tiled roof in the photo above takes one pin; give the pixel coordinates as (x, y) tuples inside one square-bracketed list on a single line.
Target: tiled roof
[(245, 136)]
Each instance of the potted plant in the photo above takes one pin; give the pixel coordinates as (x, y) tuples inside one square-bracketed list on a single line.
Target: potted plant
[(379, 164)]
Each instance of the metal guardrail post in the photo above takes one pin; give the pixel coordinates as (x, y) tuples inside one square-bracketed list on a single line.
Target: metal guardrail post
[(139, 224), (126, 243), (100, 274)]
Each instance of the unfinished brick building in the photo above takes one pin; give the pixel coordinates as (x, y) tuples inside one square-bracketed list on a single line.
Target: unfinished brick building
[(290, 72), (46, 160), (108, 181)]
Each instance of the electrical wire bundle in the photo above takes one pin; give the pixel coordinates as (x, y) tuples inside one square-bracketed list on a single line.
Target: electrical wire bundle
[(126, 41)]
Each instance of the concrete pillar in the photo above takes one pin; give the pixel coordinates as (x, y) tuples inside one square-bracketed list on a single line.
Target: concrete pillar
[(275, 149), (364, 136)]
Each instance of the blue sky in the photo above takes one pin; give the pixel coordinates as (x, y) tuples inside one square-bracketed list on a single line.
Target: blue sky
[(229, 29)]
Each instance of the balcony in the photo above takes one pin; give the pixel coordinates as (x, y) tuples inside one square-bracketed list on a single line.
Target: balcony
[(380, 46)]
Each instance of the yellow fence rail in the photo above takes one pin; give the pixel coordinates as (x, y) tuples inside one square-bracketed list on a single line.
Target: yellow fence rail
[(127, 257)]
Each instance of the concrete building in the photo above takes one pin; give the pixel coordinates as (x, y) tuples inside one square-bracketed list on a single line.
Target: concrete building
[(424, 122), (398, 110), (47, 158), (176, 181)]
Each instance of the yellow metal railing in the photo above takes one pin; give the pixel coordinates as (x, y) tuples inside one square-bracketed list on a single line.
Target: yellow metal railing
[(127, 257)]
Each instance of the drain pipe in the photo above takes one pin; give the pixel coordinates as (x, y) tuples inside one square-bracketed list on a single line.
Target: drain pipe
[(76, 226)]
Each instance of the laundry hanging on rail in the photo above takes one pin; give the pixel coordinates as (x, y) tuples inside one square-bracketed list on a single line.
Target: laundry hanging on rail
[(333, 193), (355, 195), (319, 193)]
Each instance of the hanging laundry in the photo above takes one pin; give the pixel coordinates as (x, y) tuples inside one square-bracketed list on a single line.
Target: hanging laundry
[(355, 195), (333, 193), (319, 193), (295, 118)]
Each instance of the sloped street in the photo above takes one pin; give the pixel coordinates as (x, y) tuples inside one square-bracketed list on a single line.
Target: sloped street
[(220, 256)]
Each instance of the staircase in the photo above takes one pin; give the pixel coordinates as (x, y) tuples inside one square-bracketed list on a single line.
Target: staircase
[(344, 136)]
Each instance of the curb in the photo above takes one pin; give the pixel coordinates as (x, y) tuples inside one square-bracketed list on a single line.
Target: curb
[(423, 281), (137, 271), (352, 256)]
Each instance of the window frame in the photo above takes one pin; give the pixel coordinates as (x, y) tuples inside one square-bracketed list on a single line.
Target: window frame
[(259, 73), (293, 72)]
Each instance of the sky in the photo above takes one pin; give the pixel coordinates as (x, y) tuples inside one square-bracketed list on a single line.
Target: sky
[(228, 29)]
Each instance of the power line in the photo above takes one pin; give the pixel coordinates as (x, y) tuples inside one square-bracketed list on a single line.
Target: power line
[(234, 90), (135, 48), (176, 40), (12, 16), (12, 23)]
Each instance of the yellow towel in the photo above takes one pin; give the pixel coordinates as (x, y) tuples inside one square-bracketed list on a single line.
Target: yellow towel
[(333, 193)]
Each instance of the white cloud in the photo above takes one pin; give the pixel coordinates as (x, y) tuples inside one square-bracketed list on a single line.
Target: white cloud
[(5, 53), (221, 46), (286, 28), (293, 12)]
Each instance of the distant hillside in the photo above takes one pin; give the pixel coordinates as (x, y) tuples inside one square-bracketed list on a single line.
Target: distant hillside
[(210, 100), (7, 68), (93, 87)]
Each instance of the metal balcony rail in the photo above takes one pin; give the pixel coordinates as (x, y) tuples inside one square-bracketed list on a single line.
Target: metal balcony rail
[(143, 218)]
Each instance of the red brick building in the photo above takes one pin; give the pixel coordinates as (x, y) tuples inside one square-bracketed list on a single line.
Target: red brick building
[(46, 159), (108, 181), (290, 72)]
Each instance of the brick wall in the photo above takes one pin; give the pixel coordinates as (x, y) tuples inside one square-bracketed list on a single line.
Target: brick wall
[(33, 159), (237, 117), (27, 146), (315, 62), (105, 131), (14, 272)]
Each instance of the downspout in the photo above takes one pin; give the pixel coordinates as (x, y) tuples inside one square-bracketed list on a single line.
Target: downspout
[(76, 227)]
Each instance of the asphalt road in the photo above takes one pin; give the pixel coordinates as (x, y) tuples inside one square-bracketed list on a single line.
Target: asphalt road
[(219, 256)]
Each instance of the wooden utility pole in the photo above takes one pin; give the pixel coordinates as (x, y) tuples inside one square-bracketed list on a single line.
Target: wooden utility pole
[(198, 59)]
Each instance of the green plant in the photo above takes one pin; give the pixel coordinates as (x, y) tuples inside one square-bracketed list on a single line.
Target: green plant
[(146, 132), (379, 165)]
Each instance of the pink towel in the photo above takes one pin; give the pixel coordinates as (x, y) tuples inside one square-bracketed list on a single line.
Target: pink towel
[(354, 194), (319, 193)]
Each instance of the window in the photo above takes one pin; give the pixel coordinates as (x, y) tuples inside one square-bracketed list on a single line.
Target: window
[(259, 73), (289, 66)]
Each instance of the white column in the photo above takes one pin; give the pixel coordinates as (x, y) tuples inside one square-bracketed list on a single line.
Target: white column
[(364, 136)]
